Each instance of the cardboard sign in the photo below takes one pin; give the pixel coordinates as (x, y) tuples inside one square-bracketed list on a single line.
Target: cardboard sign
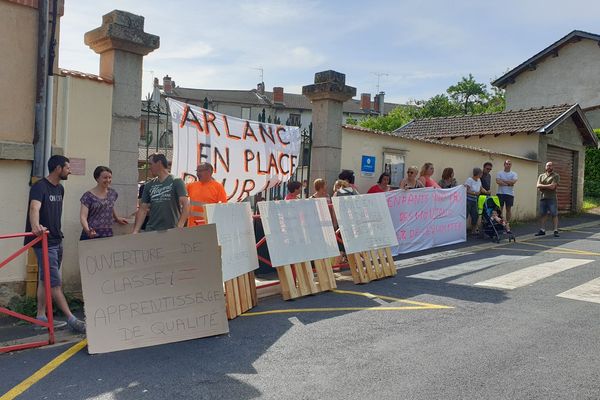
[(365, 222), (248, 157), (236, 237), (152, 288), (298, 230)]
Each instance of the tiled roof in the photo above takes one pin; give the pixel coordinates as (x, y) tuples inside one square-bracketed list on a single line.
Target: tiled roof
[(247, 97), (434, 142), (549, 51), (252, 97), (535, 120), (84, 75)]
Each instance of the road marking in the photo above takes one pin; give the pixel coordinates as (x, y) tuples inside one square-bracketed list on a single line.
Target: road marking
[(466, 267), (413, 305), (334, 309), (589, 291), (562, 250), (444, 255), (42, 372), (533, 274)]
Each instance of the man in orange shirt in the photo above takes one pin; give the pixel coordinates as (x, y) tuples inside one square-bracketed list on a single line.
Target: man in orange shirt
[(205, 190)]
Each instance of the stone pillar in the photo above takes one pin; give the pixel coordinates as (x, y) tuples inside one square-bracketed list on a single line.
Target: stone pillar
[(122, 45), (327, 95)]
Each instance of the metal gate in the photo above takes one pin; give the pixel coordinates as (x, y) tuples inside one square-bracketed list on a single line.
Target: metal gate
[(156, 134)]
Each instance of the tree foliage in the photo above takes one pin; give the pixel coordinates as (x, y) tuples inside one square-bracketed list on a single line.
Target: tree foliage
[(396, 118), (465, 97), (591, 185)]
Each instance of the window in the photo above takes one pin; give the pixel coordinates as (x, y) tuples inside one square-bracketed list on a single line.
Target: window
[(294, 120), (245, 112), (393, 164)]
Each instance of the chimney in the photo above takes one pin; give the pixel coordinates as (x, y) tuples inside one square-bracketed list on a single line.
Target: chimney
[(365, 101), (278, 95), (167, 84), (379, 103), (260, 88)]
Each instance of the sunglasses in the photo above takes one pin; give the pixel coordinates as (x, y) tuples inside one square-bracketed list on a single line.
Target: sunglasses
[(410, 172)]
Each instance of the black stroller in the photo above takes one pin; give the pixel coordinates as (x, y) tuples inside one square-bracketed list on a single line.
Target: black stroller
[(490, 227)]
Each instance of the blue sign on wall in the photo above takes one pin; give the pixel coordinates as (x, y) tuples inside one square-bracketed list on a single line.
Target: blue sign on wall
[(367, 166)]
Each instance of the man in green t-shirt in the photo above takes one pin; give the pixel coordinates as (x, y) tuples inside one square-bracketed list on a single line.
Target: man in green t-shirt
[(164, 197), (547, 184)]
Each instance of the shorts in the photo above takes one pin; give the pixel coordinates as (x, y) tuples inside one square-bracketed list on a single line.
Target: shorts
[(55, 254), (506, 199), (472, 211), (548, 206)]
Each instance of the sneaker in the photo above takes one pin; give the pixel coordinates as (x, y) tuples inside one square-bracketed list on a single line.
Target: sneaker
[(556, 234), (77, 325), (541, 232), (57, 324)]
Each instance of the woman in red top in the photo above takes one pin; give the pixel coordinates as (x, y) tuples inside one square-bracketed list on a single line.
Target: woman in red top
[(425, 176), (382, 184)]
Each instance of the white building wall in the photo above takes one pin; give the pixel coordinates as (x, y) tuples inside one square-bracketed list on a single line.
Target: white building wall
[(572, 77)]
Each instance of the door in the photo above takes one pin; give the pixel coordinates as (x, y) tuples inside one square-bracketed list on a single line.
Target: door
[(563, 161)]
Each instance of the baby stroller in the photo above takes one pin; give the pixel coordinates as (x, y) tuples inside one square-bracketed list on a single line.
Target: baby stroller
[(491, 228)]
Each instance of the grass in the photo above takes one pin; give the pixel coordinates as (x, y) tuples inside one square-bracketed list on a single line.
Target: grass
[(590, 202)]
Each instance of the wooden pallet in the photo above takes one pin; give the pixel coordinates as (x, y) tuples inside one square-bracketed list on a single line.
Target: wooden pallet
[(298, 280), (368, 266), (240, 295)]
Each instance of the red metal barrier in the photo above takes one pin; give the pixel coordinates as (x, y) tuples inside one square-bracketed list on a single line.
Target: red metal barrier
[(46, 265), (263, 241)]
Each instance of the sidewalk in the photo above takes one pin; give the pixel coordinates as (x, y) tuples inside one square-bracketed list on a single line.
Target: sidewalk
[(14, 332)]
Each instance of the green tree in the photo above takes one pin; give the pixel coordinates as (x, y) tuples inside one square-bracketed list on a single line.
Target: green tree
[(591, 186), (437, 106), (396, 118), (469, 94)]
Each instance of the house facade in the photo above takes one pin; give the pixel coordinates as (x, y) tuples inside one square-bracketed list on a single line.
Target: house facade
[(557, 133), (566, 72)]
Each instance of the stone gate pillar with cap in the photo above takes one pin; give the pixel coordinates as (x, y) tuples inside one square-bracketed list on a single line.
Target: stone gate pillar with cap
[(327, 94), (122, 45)]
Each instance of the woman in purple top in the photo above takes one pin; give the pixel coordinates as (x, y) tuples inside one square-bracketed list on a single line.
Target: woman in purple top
[(98, 207)]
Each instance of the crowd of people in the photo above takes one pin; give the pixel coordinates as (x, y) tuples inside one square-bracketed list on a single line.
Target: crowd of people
[(167, 202), (478, 184)]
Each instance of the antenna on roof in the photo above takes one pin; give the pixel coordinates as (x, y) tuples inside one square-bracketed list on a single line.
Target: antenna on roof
[(262, 73), (379, 75)]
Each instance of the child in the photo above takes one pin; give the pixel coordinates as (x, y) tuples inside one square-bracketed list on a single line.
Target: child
[(496, 217)]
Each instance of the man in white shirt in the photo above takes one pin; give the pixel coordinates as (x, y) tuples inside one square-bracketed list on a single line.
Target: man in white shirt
[(506, 181)]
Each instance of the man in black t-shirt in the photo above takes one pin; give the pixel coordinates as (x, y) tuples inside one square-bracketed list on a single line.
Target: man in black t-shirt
[(44, 214)]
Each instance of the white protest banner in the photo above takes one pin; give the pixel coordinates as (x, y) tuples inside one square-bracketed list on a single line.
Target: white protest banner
[(236, 237), (365, 222), (248, 157), (298, 230), (152, 288), (425, 218)]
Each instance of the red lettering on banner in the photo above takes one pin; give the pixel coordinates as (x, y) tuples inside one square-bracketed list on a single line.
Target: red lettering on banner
[(230, 196), (260, 171), (273, 164), (194, 121), (248, 156), (226, 124), (246, 188), (268, 133), (209, 119), (224, 161), (281, 155), (248, 132), (277, 131)]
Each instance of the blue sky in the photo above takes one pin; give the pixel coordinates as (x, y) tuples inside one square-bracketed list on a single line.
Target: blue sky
[(422, 47)]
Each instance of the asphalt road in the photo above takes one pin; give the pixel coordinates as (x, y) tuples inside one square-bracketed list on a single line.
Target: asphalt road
[(506, 334)]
